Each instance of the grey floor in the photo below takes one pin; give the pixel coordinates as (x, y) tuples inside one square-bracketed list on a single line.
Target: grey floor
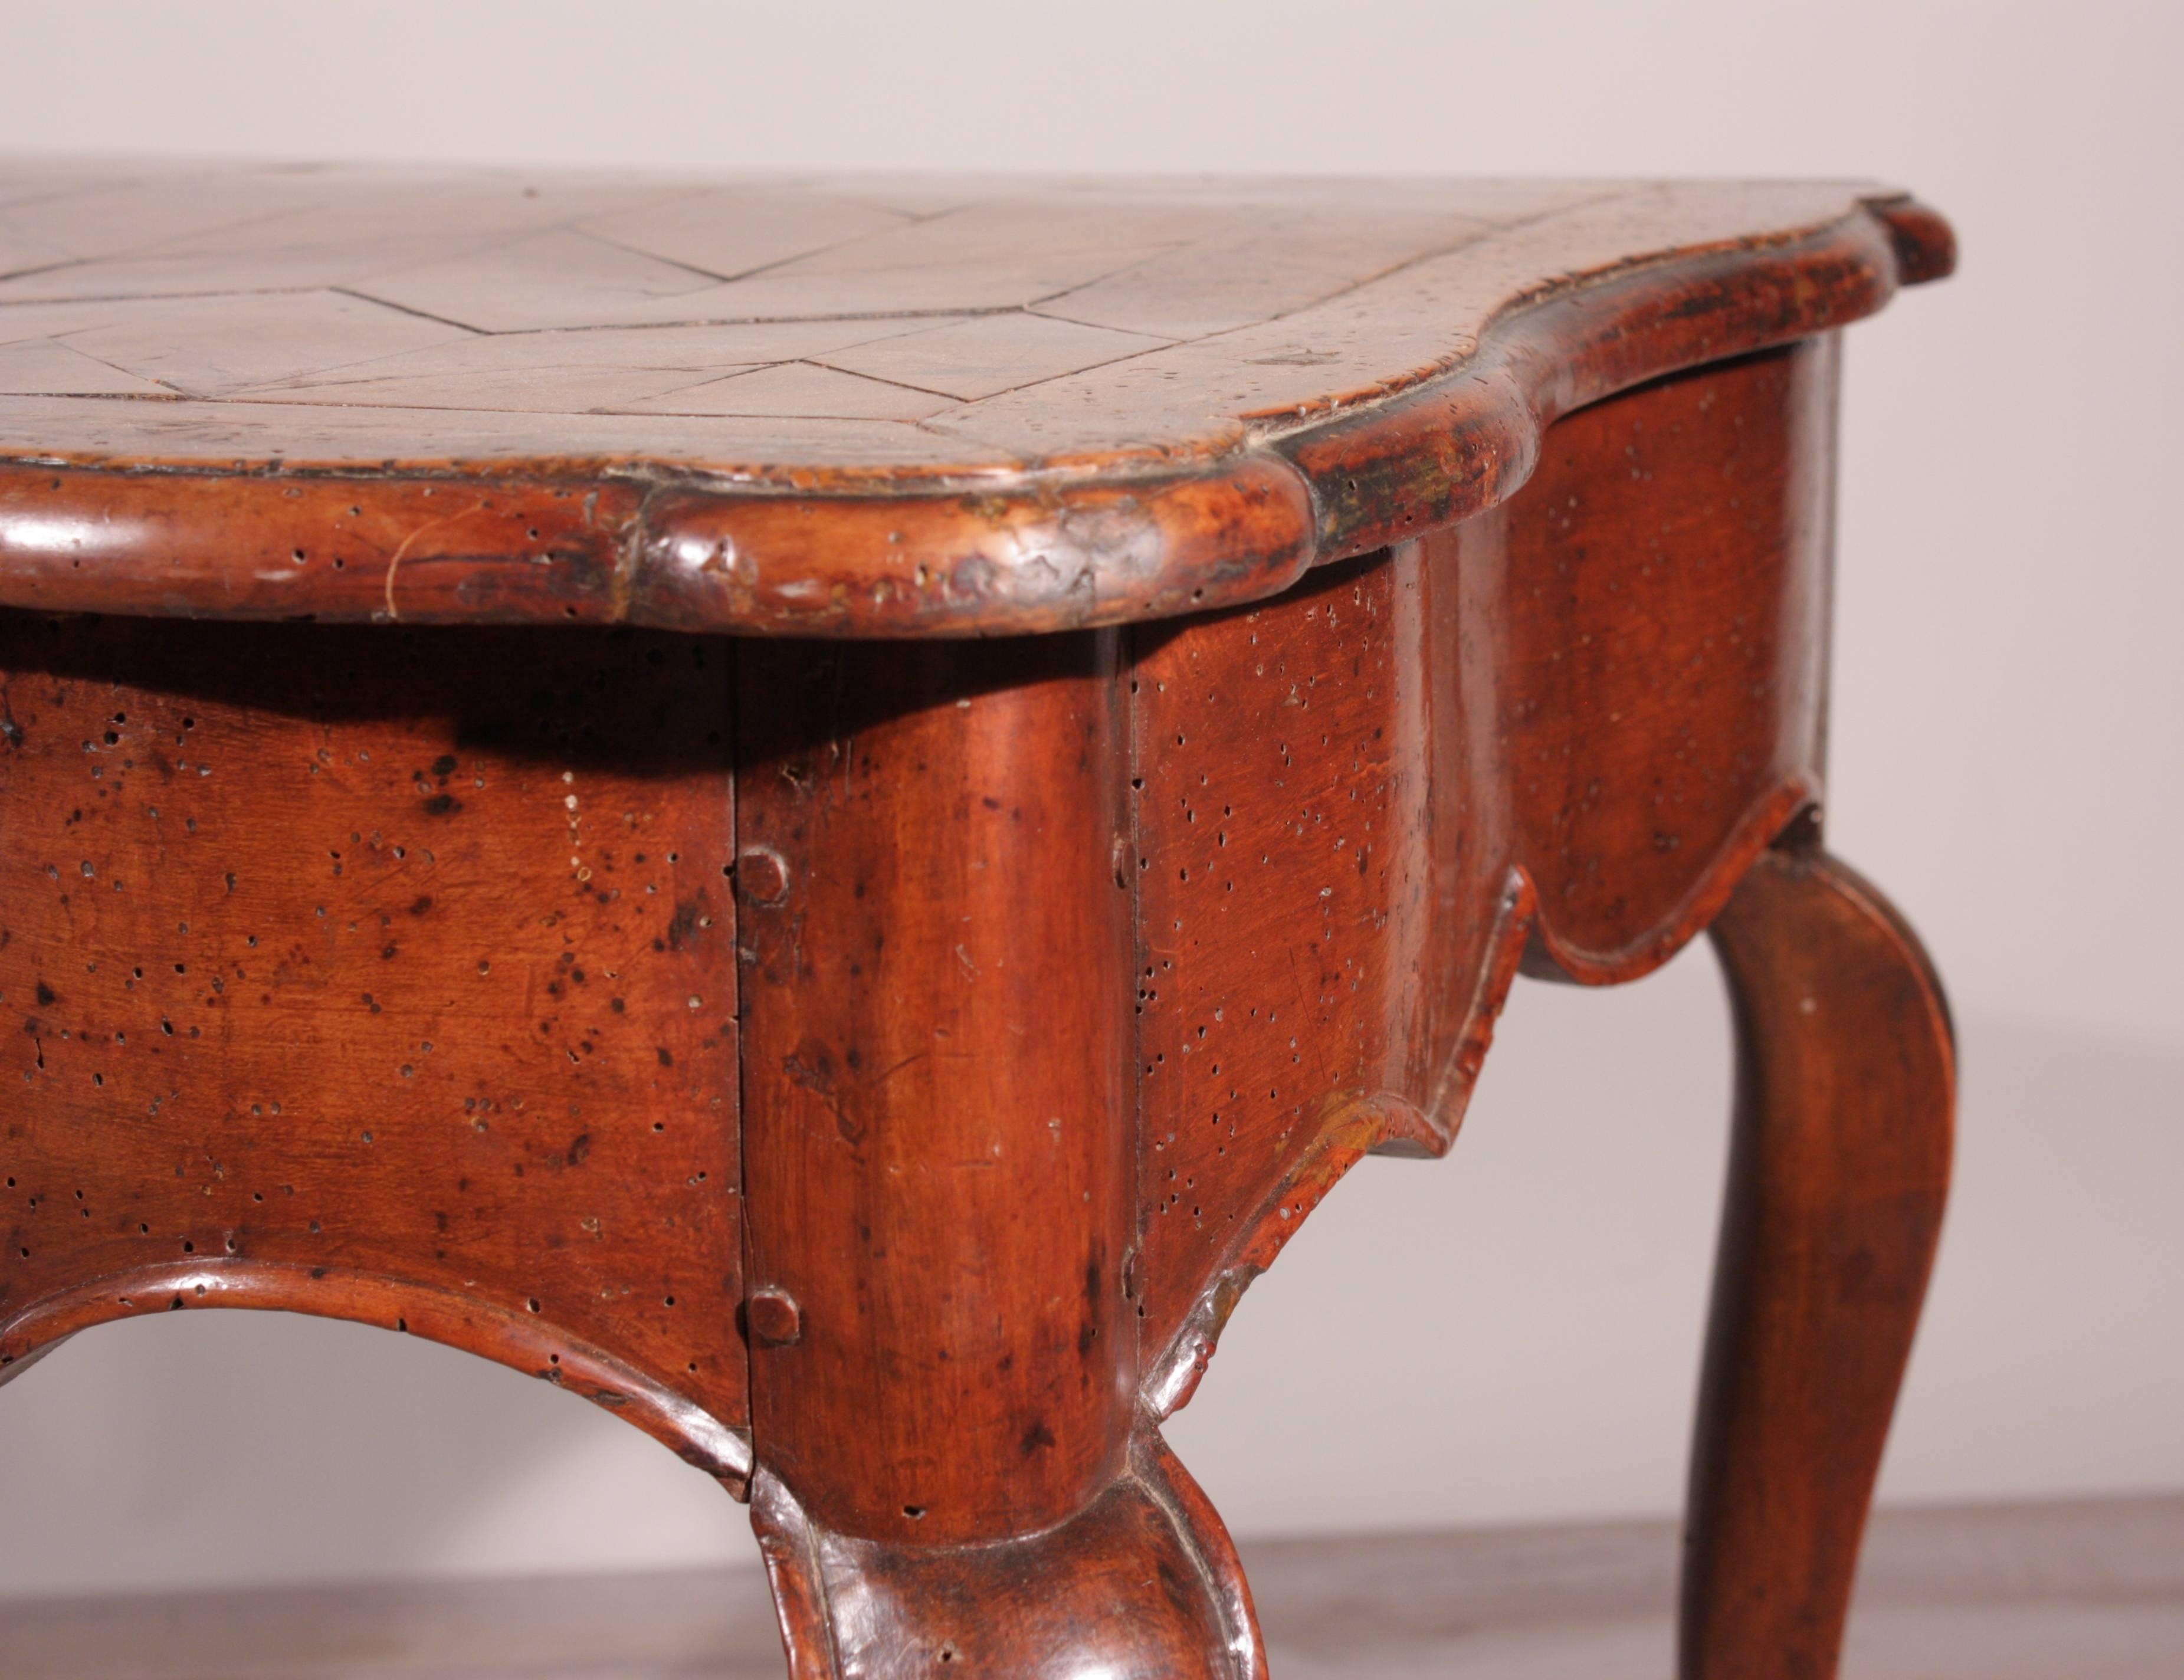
[(2086, 1591)]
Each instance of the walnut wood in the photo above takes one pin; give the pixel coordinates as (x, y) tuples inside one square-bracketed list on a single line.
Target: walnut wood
[(936, 1057), (379, 976), (936, 1061), (843, 407), (1838, 1171), (1141, 1579), (395, 972), (1573, 721)]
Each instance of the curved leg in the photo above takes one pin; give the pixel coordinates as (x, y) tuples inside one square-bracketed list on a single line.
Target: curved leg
[(1839, 1166), (1142, 1582), (940, 1178)]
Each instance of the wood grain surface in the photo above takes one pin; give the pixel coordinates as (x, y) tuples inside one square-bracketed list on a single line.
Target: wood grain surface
[(880, 1069), (840, 407), (874, 1053), (1567, 726), (937, 1065), (379, 974), (1838, 1173)]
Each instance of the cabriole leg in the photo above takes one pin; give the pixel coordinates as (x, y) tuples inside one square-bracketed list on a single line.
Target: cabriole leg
[(940, 1176), (1839, 1166)]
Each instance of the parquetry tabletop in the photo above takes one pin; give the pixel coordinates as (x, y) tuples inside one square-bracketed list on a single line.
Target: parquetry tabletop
[(875, 405), (877, 1068)]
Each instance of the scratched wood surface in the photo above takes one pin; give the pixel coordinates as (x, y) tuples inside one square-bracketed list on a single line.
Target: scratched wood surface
[(2087, 1590), (394, 972), (843, 406), (877, 1066)]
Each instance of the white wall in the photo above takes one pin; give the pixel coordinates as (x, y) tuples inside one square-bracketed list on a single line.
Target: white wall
[(1513, 1333)]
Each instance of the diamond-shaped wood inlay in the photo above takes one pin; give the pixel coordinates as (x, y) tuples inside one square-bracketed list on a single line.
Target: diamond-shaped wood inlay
[(1163, 393)]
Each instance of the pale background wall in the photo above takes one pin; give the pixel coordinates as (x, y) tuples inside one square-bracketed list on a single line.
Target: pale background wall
[(1518, 1328)]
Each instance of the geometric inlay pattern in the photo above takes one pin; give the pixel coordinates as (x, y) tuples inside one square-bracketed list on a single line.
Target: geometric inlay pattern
[(366, 314)]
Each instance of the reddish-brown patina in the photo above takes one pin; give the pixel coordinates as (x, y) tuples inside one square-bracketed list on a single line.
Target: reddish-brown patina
[(875, 1059)]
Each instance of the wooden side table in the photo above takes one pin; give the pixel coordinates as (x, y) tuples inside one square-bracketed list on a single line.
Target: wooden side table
[(824, 811)]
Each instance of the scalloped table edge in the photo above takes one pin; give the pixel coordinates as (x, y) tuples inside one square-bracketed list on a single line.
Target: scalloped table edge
[(1045, 547)]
